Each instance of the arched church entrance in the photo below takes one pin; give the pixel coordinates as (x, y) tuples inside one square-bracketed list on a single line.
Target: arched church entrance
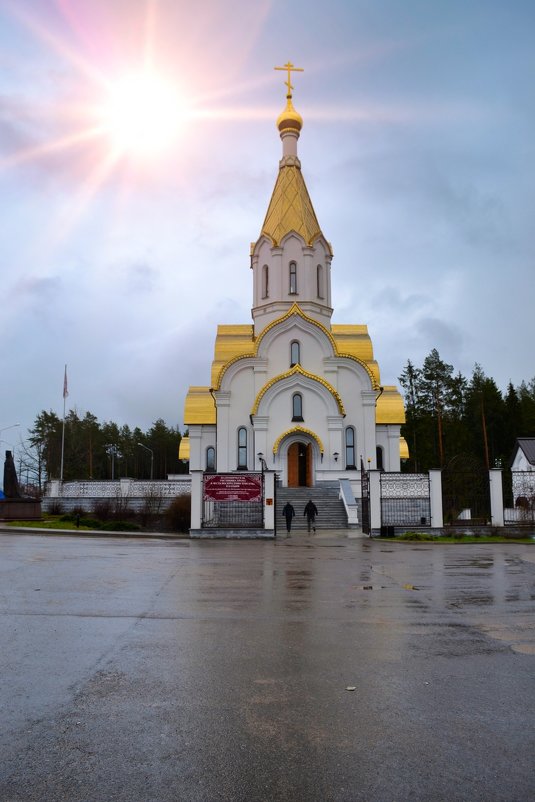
[(300, 465)]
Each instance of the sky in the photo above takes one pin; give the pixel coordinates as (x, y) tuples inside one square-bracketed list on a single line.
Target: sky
[(123, 246)]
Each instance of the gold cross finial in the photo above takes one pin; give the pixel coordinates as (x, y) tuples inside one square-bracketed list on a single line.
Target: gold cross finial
[(289, 68)]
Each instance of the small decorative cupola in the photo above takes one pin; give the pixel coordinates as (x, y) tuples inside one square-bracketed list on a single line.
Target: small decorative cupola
[(291, 259)]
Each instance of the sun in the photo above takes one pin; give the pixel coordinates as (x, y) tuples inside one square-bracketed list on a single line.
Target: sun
[(142, 114)]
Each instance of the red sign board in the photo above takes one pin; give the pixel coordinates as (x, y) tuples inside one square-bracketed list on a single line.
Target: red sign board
[(233, 487)]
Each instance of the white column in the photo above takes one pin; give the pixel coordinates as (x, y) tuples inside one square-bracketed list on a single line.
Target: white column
[(223, 434), (367, 437), (335, 444), (196, 499), (496, 497), (196, 461), (435, 498), (392, 459), (375, 499), (54, 488), (269, 500)]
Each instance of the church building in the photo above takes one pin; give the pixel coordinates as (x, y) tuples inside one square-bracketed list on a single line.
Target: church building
[(293, 392)]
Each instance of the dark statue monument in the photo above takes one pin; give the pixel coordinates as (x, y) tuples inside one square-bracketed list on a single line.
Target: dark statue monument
[(13, 506), (11, 485)]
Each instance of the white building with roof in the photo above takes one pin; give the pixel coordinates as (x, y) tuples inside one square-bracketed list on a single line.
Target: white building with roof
[(292, 387)]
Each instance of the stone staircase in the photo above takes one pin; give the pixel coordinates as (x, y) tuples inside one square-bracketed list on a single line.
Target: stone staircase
[(331, 511)]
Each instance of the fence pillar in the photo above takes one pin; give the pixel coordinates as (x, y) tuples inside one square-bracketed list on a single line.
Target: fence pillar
[(269, 500), (435, 499), (375, 500), (196, 499), (496, 497), (53, 488)]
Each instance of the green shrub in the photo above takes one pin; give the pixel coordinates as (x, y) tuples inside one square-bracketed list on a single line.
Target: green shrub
[(91, 523), (119, 526), (102, 509), (424, 536), (178, 514)]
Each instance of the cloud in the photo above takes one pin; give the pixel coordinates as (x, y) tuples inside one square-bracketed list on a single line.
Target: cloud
[(140, 278)]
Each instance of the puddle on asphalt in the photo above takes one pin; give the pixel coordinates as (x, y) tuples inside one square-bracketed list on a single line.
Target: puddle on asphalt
[(479, 600), (523, 648)]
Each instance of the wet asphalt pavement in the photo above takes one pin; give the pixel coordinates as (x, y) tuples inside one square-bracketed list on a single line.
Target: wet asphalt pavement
[(173, 670)]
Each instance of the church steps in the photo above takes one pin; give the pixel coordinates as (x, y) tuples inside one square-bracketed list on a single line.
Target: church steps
[(331, 511)]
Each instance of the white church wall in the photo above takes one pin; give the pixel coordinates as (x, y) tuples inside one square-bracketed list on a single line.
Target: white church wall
[(520, 462), (268, 301), (233, 411), (354, 387), (312, 348), (387, 437)]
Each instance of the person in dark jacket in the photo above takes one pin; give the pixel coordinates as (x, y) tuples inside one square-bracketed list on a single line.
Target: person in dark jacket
[(288, 512), (311, 511)]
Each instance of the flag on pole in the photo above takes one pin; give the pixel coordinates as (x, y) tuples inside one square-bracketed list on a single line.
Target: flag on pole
[(65, 389)]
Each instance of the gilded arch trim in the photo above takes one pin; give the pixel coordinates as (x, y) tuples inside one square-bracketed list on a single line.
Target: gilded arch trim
[(297, 430), (353, 358), (298, 370), (295, 309)]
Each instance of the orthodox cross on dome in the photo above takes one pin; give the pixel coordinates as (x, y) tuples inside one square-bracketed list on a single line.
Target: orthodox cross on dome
[(289, 68)]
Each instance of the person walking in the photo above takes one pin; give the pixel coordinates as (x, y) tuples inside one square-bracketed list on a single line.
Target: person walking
[(311, 511), (288, 512)]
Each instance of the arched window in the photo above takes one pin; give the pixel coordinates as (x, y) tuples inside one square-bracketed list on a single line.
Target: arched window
[(265, 282), (293, 278), (350, 447), (379, 456), (242, 448), (295, 353), (297, 406), (319, 281), (210, 458)]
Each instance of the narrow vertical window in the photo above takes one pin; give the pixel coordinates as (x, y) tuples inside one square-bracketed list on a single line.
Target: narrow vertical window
[(265, 282), (297, 407), (210, 458), (319, 281), (242, 448), (350, 447), (379, 457), (293, 278), (295, 353)]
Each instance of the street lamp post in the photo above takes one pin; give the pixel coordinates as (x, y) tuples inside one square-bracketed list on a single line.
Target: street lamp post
[(113, 451), (151, 459), (5, 428)]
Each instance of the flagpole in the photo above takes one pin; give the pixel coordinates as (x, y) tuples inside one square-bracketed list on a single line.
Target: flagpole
[(65, 394)]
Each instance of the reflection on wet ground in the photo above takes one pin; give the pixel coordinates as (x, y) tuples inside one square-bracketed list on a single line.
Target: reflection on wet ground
[(220, 670)]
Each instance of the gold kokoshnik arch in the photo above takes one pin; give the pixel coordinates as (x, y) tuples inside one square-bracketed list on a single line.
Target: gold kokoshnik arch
[(297, 369), (297, 430), (295, 309)]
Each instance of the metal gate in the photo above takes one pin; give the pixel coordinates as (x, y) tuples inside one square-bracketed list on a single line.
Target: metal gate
[(465, 492), (405, 500), (365, 499), (519, 493)]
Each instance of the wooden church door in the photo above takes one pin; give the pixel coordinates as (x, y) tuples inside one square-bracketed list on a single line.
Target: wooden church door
[(300, 465)]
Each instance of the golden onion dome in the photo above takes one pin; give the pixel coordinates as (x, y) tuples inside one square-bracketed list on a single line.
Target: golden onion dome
[(289, 118)]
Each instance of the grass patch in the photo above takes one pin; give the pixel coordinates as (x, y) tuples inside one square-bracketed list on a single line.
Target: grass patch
[(68, 523), (459, 537), (53, 522)]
